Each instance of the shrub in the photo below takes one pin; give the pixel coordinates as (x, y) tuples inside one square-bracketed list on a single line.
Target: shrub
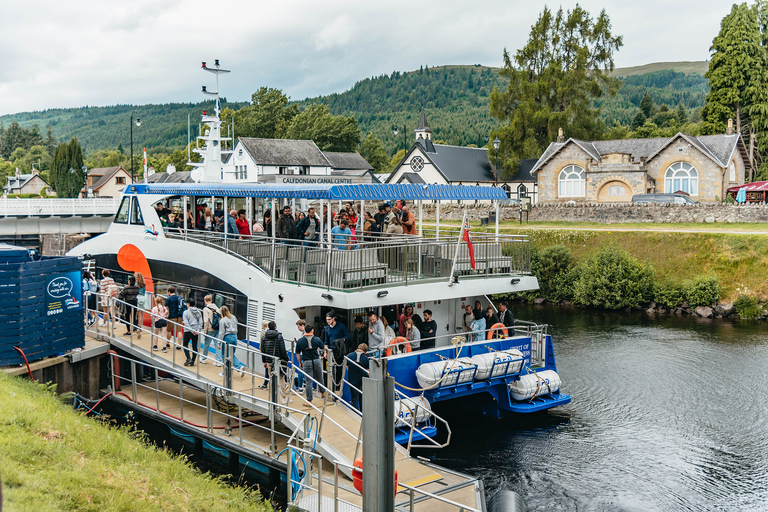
[(614, 279), (704, 291), (553, 267), (669, 294), (747, 307)]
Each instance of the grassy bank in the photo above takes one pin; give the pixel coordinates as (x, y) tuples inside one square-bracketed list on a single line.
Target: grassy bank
[(736, 253), (52, 458)]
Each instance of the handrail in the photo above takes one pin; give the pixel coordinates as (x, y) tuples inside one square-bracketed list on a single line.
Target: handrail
[(59, 206), (370, 263)]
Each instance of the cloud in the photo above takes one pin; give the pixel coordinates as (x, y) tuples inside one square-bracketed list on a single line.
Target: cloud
[(341, 32), (91, 52)]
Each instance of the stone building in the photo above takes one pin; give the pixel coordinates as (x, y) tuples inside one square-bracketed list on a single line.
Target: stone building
[(106, 182), (26, 183), (612, 171)]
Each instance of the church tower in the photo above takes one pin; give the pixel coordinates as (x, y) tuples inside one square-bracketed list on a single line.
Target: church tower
[(423, 131)]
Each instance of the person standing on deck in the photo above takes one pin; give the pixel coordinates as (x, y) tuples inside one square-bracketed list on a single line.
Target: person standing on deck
[(228, 335), (286, 226), (375, 332), (193, 326), (506, 318), (428, 331), (360, 334), (337, 339), (358, 363), (211, 332), (272, 347), (301, 325), (310, 347), (242, 223), (341, 235), (412, 334)]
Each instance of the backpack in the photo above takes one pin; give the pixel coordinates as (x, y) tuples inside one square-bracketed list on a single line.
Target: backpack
[(215, 317), (182, 306), (339, 347)]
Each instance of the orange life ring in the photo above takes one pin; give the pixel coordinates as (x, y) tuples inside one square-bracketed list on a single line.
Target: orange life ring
[(494, 329), (357, 476), (398, 345)]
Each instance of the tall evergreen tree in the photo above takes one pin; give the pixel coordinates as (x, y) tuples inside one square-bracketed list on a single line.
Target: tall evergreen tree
[(67, 177), (553, 81), (647, 106), (638, 120), (50, 140), (682, 115)]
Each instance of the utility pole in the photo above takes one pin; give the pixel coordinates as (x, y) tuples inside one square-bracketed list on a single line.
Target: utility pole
[(379, 443)]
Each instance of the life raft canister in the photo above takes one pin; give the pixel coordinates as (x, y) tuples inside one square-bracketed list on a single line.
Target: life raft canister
[(495, 329), (357, 476), (398, 345)]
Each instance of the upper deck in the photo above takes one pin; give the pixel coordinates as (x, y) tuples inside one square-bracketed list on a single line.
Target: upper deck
[(377, 261), (364, 261)]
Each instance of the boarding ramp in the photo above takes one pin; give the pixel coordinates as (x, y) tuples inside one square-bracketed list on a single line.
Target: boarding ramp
[(54, 216)]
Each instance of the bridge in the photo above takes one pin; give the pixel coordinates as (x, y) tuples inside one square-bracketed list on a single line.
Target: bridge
[(22, 217)]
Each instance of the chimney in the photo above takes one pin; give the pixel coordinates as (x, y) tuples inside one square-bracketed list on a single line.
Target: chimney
[(35, 172), (560, 137), (18, 173), (729, 130)]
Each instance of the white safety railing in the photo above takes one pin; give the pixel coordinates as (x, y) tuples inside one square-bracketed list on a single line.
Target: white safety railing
[(15, 207)]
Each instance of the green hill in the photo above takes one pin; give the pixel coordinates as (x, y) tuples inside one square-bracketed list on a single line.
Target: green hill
[(456, 99)]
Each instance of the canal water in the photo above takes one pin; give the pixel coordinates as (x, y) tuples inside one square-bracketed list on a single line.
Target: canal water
[(669, 413)]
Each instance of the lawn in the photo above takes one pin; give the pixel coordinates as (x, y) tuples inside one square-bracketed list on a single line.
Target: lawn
[(53, 458)]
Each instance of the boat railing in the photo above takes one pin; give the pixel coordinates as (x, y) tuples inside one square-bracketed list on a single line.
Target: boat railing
[(60, 207), (224, 409), (372, 261)]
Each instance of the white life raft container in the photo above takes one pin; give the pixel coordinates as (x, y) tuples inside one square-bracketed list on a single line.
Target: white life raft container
[(534, 384), (507, 362), (407, 408), (429, 373)]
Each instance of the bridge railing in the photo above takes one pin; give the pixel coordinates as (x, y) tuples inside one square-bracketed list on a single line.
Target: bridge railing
[(15, 207)]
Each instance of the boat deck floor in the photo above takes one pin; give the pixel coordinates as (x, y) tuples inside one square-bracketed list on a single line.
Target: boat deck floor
[(339, 427)]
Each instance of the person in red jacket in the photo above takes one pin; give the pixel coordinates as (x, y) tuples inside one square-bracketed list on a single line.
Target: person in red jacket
[(242, 224)]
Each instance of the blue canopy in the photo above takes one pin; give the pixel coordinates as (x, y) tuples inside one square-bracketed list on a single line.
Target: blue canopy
[(329, 192)]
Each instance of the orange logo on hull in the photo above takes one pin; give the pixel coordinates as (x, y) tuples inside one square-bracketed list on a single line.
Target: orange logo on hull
[(131, 259)]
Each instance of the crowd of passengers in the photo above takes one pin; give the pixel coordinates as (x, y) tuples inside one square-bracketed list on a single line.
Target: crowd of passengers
[(348, 224), (183, 321)]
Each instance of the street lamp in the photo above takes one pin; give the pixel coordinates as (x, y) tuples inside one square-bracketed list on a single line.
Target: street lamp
[(138, 123), (405, 144), (496, 144)]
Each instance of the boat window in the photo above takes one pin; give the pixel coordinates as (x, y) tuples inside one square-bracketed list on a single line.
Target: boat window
[(123, 211), (136, 217)]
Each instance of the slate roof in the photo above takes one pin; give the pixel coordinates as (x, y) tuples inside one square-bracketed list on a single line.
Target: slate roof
[(351, 161), (458, 163), (106, 174), (284, 152), (411, 177), (718, 148), (15, 182), (524, 171)]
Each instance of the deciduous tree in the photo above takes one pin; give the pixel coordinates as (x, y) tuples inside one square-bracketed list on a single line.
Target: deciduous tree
[(553, 80), (268, 116), (373, 151), (329, 132)]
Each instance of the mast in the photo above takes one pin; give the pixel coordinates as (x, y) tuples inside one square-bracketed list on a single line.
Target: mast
[(211, 169)]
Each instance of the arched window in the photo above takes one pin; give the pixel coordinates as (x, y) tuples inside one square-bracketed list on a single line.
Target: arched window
[(572, 182), (522, 191), (507, 190), (681, 177)]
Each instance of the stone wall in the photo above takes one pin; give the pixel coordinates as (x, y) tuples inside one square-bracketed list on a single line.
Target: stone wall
[(614, 213)]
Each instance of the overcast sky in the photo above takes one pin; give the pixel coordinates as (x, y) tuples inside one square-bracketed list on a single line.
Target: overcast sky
[(77, 53)]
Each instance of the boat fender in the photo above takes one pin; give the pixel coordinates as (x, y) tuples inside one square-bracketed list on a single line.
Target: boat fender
[(357, 476), (494, 331), (407, 408), (398, 345), (506, 501), (535, 384), (507, 362), (429, 374)]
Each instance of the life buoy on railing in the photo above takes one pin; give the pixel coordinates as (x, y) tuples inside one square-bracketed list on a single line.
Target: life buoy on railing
[(357, 476), (495, 328), (398, 345)]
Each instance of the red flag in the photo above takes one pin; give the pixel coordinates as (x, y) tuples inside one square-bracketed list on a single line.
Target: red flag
[(468, 238)]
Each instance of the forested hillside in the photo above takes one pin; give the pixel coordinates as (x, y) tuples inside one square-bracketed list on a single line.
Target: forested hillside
[(456, 99)]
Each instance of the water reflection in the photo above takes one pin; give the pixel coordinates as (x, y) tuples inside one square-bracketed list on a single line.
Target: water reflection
[(668, 413)]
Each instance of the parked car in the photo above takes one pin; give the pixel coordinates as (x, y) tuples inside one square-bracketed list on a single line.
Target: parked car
[(662, 199)]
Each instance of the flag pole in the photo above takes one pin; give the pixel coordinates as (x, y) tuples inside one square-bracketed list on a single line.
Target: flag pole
[(452, 279)]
